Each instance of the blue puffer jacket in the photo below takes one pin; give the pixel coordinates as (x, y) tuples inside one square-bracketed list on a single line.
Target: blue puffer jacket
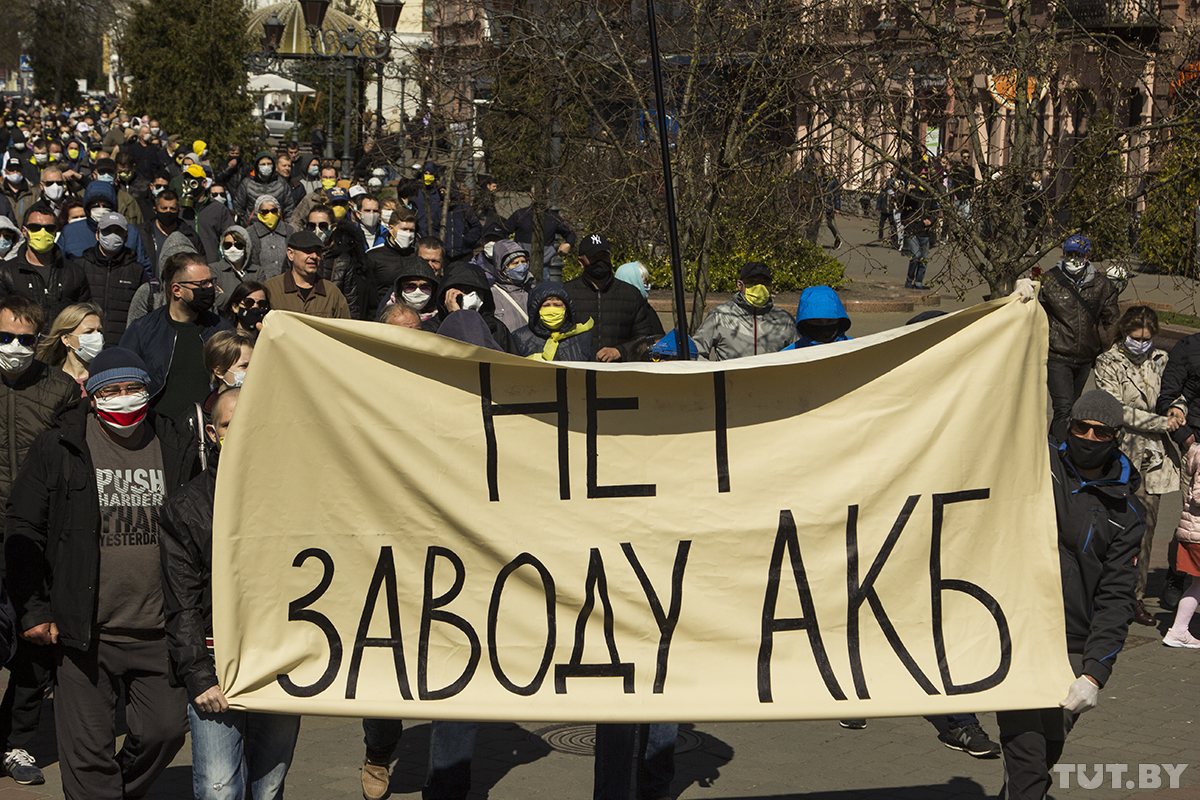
[(76, 238), (819, 303)]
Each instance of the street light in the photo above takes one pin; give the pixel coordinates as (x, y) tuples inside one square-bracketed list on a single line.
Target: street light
[(272, 32)]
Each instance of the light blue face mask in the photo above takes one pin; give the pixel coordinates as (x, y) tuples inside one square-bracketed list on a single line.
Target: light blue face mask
[(6, 245), (517, 274), (107, 178)]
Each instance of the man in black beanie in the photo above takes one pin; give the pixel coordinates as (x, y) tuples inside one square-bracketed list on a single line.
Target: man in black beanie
[(1099, 535)]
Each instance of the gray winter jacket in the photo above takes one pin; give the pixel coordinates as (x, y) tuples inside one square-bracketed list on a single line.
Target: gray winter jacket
[(737, 329)]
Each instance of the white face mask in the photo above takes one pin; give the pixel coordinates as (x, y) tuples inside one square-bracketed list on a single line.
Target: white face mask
[(415, 299), (1075, 265), (403, 239), (97, 214), (129, 407), (14, 177), (1138, 348), (15, 357), (265, 170), (234, 255), (238, 379), (55, 193), (385, 216), (470, 302), (90, 344), (370, 219), (489, 248)]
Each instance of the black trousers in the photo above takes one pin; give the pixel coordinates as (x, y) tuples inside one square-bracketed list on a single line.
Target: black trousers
[(1065, 381), (1032, 742), (86, 692), (30, 672)]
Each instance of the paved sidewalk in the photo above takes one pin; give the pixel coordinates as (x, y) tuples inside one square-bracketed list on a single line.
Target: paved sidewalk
[(1147, 715)]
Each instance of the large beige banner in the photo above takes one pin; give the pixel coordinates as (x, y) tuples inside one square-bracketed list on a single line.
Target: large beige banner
[(410, 526)]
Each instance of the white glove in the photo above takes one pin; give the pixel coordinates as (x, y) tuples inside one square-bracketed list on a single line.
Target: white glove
[(1025, 289), (1083, 695)]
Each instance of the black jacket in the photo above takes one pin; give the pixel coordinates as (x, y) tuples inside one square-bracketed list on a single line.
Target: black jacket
[(344, 265), (113, 282), (53, 527), (532, 338), (622, 315), (386, 264), (1099, 534), (66, 285), (185, 543), (146, 231), (1076, 331), (1182, 377)]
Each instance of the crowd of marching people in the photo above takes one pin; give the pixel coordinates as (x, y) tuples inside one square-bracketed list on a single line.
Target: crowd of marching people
[(136, 273)]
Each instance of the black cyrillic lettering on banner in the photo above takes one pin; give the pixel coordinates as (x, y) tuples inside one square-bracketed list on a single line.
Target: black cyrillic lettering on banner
[(787, 540), (856, 593), (298, 610), (722, 429), (940, 584), (492, 410), (666, 622), (551, 625), (430, 614), (385, 578), (597, 583), (594, 406)]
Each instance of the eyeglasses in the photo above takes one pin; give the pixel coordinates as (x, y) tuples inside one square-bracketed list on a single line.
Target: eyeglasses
[(317, 226), (53, 183), (204, 284), (23, 339), (413, 286), (117, 391), (265, 210), (36, 228), (1102, 432), (265, 305), (229, 244)]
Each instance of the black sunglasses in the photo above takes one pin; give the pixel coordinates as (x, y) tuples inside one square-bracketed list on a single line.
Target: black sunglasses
[(24, 339), (265, 305), (36, 228), (1103, 432), (317, 226)]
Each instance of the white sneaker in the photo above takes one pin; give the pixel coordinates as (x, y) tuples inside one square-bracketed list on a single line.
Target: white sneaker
[(21, 767), (1170, 640)]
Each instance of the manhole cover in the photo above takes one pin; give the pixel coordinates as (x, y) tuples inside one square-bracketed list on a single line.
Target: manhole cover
[(580, 740)]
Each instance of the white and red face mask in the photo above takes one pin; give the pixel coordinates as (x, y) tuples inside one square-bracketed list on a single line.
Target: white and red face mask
[(122, 414)]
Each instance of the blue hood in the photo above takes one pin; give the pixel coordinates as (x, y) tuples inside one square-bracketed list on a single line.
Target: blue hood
[(98, 190), (819, 302)]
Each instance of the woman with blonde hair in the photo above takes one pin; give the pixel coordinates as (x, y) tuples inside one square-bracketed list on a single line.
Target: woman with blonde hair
[(226, 357), (75, 338)]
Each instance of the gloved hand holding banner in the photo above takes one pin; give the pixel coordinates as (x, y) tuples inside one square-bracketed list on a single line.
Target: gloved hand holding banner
[(410, 526)]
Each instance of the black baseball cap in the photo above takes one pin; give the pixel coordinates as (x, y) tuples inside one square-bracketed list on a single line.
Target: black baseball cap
[(755, 269), (593, 245), (305, 240)]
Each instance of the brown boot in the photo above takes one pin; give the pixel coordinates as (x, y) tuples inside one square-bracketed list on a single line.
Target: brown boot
[(1141, 616), (375, 781)]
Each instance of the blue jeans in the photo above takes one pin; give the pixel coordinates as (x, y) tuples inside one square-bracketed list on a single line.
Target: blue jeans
[(918, 254), (655, 760), (451, 746), (381, 737), (236, 748)]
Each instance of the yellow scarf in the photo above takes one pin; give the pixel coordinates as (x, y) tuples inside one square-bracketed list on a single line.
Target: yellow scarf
[(551, 347)]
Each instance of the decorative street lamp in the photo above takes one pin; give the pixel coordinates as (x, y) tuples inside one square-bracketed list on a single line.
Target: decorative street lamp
[(332, 51)]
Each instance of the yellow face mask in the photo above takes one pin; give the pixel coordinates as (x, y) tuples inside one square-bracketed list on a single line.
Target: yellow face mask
[(270, 220), (429, 179), (553, 318), (41, 241), (757, 295), (74, 154), (328, 183), (339, 212)]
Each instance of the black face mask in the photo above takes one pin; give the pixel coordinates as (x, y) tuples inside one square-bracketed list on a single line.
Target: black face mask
[(167, 218), (203, 299), (248, 318), (599, 271), (818, 333), (1087, 454)]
